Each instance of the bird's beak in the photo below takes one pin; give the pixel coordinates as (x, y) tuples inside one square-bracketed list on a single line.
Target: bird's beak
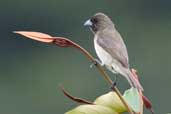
[(88, 23)]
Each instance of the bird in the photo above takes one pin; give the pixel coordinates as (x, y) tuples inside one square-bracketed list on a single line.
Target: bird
[(110, 47)]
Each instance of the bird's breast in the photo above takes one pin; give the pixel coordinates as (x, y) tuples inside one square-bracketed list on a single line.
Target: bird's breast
[(103, 55)]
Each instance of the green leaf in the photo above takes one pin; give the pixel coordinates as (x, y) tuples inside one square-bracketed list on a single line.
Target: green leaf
[(133, 98), (91, 109), (112, 101)]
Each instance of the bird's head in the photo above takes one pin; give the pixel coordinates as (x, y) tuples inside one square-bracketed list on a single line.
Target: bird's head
[(99, 22)]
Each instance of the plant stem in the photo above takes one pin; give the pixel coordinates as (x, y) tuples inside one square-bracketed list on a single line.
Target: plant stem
[(104, 74), (64, 42), (76, 99)]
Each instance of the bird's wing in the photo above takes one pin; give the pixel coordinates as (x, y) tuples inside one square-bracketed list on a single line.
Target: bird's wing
[(113, 44)]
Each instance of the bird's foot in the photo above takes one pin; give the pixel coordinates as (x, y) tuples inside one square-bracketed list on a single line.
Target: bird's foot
[(96, 62), (114, 84), (112, 87)]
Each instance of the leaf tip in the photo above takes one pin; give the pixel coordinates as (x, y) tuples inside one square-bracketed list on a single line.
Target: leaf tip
[(42, 37), (15, 32)]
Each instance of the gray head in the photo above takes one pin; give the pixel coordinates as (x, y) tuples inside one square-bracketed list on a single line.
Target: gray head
[(99, 22)]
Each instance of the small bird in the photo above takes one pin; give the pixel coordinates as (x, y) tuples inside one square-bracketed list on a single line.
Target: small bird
[(110, 47)]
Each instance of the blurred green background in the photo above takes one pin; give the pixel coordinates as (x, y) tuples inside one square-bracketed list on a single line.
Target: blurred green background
[(32, 71)]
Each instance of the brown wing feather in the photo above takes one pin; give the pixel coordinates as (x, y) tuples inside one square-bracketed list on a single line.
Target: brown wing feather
[(113, 44)]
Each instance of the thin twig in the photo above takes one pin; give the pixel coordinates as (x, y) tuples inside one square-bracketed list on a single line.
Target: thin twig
[(64, 42), (104, 74), (76, 99)]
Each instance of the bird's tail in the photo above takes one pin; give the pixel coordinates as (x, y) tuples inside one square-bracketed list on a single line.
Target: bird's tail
[(126, 72), (132, 80)]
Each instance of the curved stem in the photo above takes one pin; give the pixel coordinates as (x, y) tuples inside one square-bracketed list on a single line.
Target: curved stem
[(104, 74), (64, 42), (76, 99)]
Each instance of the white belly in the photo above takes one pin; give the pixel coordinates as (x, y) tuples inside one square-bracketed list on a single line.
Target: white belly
[(105, 58)]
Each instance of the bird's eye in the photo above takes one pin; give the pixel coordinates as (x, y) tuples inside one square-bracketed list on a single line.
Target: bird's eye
[(94, 20)]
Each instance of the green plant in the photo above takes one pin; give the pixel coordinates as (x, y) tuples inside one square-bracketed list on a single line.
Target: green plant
[(112, 103)]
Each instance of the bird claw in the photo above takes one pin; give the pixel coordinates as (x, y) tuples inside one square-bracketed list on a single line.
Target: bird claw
[(96, 62), (112, 87), (114, 84)]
